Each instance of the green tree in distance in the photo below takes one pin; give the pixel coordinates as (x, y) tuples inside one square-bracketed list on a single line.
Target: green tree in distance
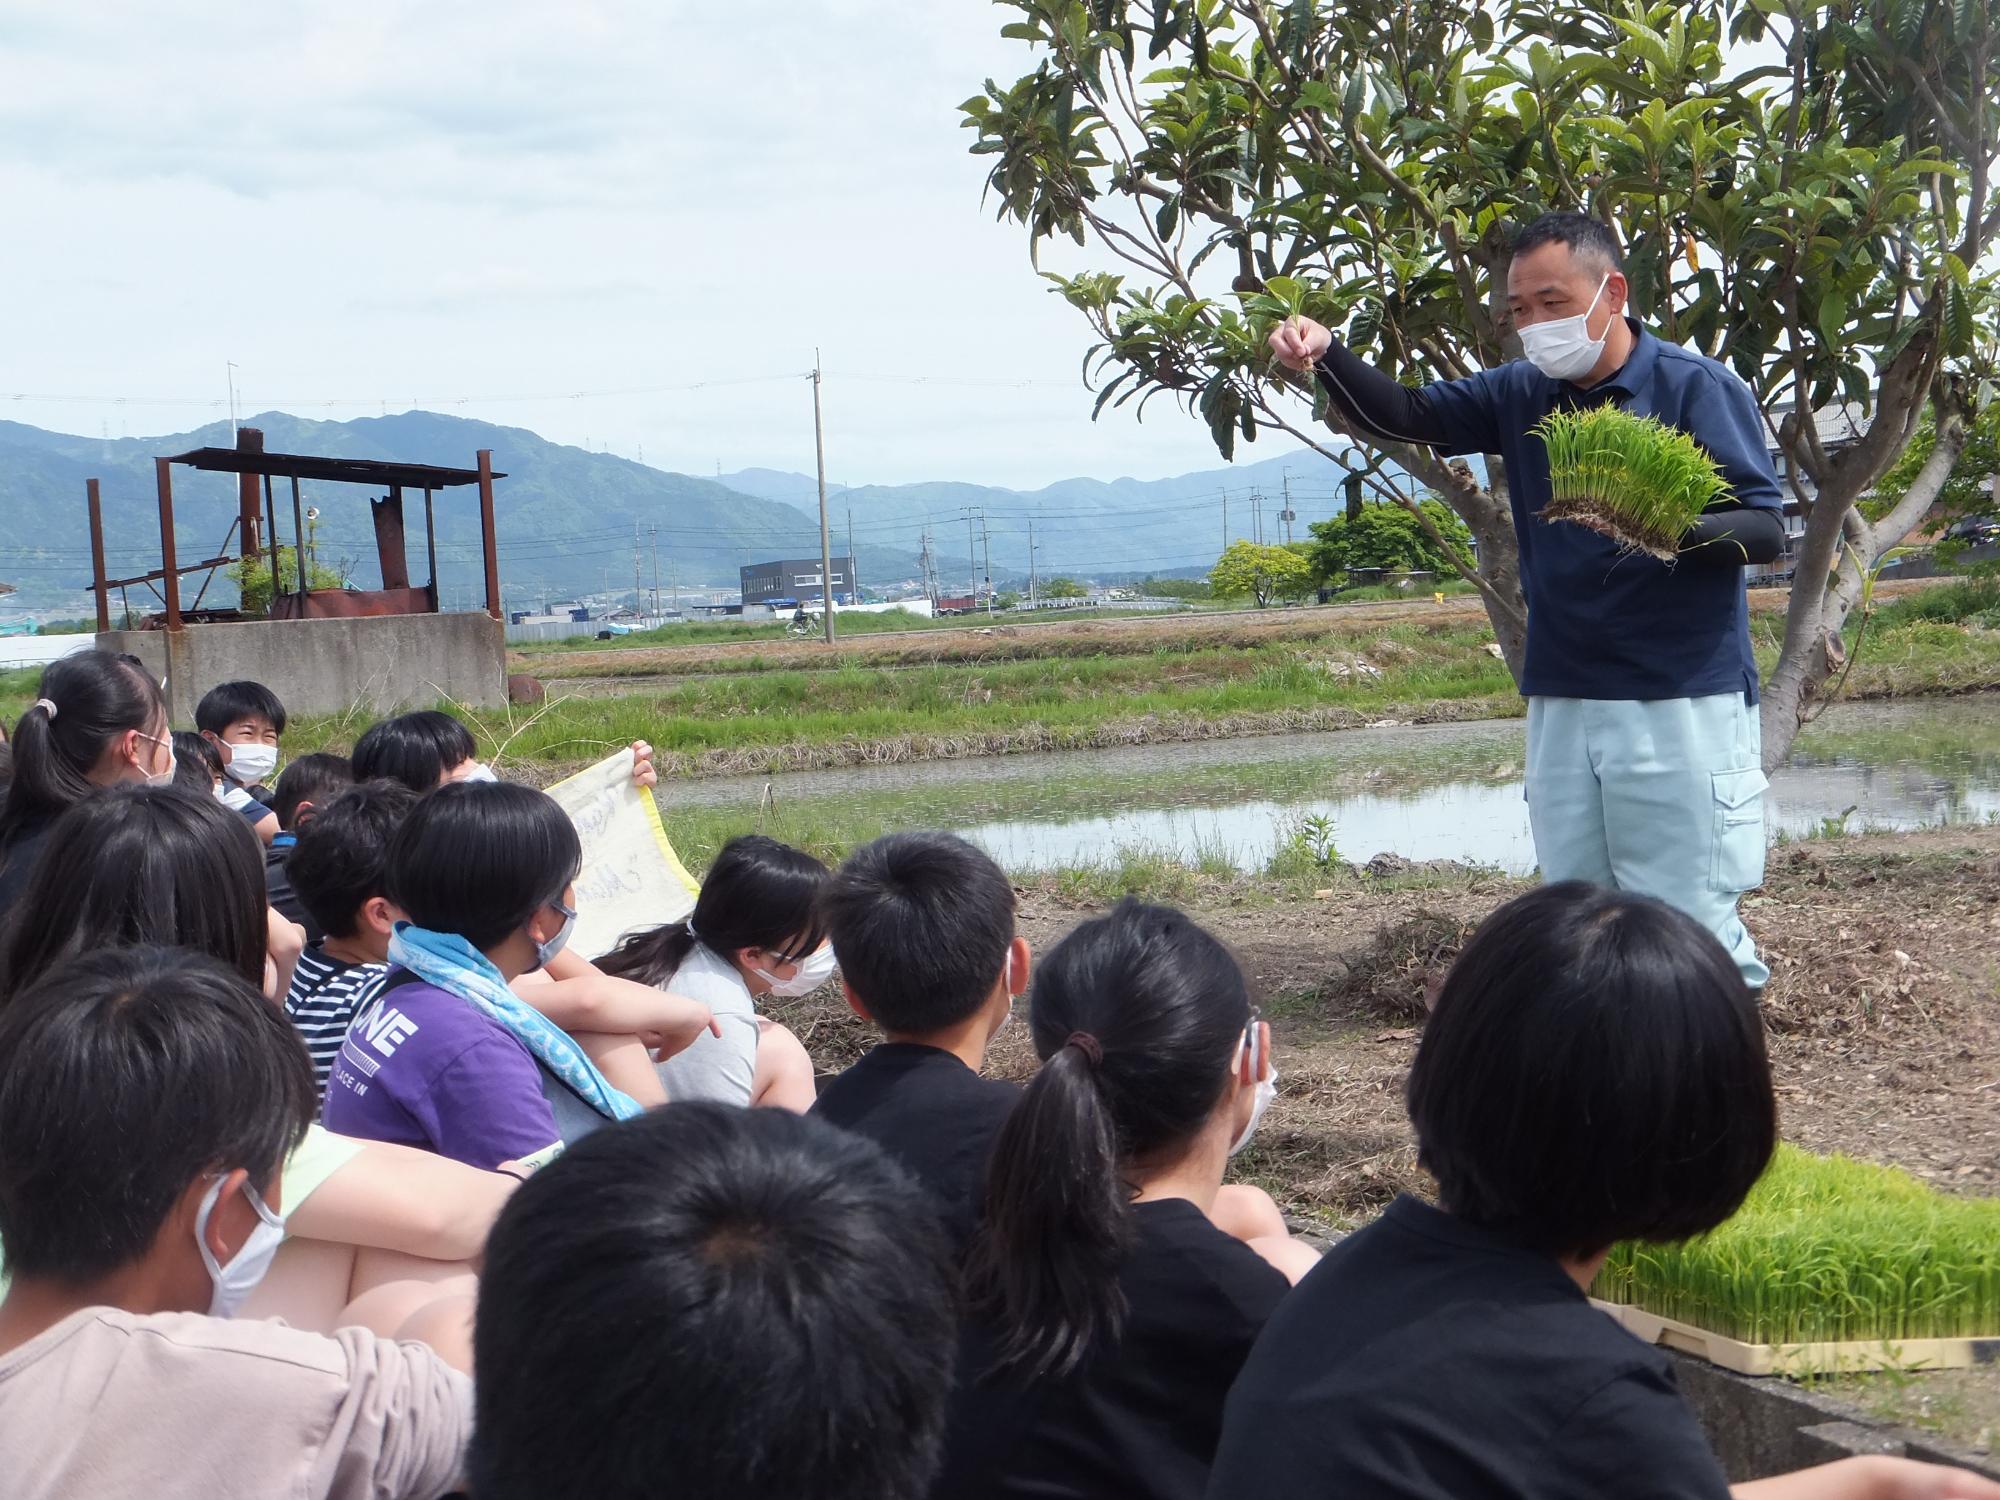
[(1062, 588), (1390, 537), (1804, 189), (1262, 572)]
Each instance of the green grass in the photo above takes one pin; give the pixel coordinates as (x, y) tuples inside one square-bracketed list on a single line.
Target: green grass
[(1961, 601), (729, 722), (1827, 1249), (1383, 593)]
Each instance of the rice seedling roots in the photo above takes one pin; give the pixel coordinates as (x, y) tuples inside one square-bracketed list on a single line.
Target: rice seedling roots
[(1588, 514)]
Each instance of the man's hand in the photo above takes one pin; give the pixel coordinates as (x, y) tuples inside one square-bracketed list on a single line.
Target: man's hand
[(1299, 342), (644, 772)]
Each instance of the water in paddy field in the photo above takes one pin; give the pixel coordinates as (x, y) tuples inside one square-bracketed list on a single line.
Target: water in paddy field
[(1445, 792)]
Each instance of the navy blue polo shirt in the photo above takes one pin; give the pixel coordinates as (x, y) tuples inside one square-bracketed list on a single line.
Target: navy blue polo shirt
[(1604, 623)]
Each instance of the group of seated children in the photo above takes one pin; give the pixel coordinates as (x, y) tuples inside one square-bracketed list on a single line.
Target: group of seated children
[(407, 1211)]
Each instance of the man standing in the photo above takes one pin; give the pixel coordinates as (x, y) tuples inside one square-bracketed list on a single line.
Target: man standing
[(1644, 768)]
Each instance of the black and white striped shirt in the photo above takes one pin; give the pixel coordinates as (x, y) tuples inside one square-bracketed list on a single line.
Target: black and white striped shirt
[(325, 996)]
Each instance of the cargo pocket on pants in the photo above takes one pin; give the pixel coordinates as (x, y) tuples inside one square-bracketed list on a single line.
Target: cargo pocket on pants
[(1737, 861)]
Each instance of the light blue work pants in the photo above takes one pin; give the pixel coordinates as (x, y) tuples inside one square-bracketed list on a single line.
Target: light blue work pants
[(1665, 798)]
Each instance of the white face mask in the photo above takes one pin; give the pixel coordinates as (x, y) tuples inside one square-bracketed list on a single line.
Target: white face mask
[(1562, 348), (251, 763), (236, 1281), (814, 970), (160, 778), (544, 951), (480, 772), (1267, 1088)]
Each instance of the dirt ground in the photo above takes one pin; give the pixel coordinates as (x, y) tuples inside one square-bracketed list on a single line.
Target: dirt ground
[(1884, 1009), (975, 641)]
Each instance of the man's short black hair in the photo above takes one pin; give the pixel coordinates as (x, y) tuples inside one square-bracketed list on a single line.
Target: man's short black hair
[(130, 1073), (922, 923), (230, 703), (415, 748), (1594, 1072), (341, 861), (316, 778), (479, 858), (1588, 239), (778, 1306)]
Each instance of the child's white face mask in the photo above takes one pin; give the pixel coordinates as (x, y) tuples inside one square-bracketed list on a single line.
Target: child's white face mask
[(249, 764), (1267, 1088), (814, 970)]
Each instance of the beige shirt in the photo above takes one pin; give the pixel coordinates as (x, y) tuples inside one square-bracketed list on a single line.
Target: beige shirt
[(110, 1404)]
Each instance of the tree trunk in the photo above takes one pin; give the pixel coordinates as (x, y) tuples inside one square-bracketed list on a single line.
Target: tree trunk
[(1844, 550)]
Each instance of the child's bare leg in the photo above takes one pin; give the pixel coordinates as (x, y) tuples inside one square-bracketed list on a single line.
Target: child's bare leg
[(1247, 1213), (784, 1076), (437, 1313), (625, 1064), (1292, 1257)]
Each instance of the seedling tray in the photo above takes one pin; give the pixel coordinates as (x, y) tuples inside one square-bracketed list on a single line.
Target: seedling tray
[(1803, 1359)]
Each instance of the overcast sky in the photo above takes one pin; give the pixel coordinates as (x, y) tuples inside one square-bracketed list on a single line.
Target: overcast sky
[(485, 207)]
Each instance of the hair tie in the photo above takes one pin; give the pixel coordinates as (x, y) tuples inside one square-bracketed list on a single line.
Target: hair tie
[(47, 706), (690, 927), (1089, 1046)]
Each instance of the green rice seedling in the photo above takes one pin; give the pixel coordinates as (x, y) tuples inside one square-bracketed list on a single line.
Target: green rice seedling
[(1635, 479), (1826, 1250)]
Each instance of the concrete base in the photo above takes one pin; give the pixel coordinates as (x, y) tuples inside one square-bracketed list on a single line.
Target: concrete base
[(376, 665), (1762, 1425)]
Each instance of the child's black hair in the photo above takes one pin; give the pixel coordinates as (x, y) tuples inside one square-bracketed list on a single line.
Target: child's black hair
[(197, 763), (774, 1292), (314, 779), (416, 749), (341, 860), (98, 696), (1137, 1016), (141, 864), (131, 1073), (480, 858), (230, 703), (1594, 1072), (922, 923), (759, 893)]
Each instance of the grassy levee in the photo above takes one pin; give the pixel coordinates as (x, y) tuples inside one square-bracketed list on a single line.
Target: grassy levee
[(1119, 683)]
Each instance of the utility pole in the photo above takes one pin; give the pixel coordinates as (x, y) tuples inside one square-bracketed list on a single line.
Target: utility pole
[(971, 557), (986, 546), (1031, 562), (825, 545), (229, 369), (654, 533), (1287, 515), (636, 605), (852, 587)]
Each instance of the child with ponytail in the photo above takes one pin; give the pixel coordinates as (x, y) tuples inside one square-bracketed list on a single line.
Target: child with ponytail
[(1109, 1312), (755, 930)]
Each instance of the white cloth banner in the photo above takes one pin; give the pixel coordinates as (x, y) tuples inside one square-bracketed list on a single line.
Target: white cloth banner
[(631, 877)]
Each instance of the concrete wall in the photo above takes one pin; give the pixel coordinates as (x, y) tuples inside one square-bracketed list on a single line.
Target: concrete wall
[(382, 664)]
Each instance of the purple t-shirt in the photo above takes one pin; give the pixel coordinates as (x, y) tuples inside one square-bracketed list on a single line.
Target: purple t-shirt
[(421, 1067)]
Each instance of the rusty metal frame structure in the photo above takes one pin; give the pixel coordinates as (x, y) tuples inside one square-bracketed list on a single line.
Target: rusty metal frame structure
[(250, 461)]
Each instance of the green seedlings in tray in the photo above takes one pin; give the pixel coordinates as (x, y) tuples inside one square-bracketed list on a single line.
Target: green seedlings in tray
[(1826, 1250), (1635, 479)]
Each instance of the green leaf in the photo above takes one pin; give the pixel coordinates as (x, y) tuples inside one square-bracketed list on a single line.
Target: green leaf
[(1022, 31)]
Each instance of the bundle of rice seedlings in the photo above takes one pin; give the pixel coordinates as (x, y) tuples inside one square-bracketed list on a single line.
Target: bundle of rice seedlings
[(1826, 1250), (1635, 479)]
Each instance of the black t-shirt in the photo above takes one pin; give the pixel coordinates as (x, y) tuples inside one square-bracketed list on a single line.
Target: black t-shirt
[(932, 1113), (278, 889), (1138, 1418), (1425, 1359)]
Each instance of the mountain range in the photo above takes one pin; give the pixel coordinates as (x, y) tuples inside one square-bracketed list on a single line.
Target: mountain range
[(570, 520)]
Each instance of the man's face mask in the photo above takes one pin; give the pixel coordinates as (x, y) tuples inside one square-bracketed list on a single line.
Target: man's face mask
[(1562, 348)]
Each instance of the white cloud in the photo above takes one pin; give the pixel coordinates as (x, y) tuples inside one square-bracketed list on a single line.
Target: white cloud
[(432, 198)]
